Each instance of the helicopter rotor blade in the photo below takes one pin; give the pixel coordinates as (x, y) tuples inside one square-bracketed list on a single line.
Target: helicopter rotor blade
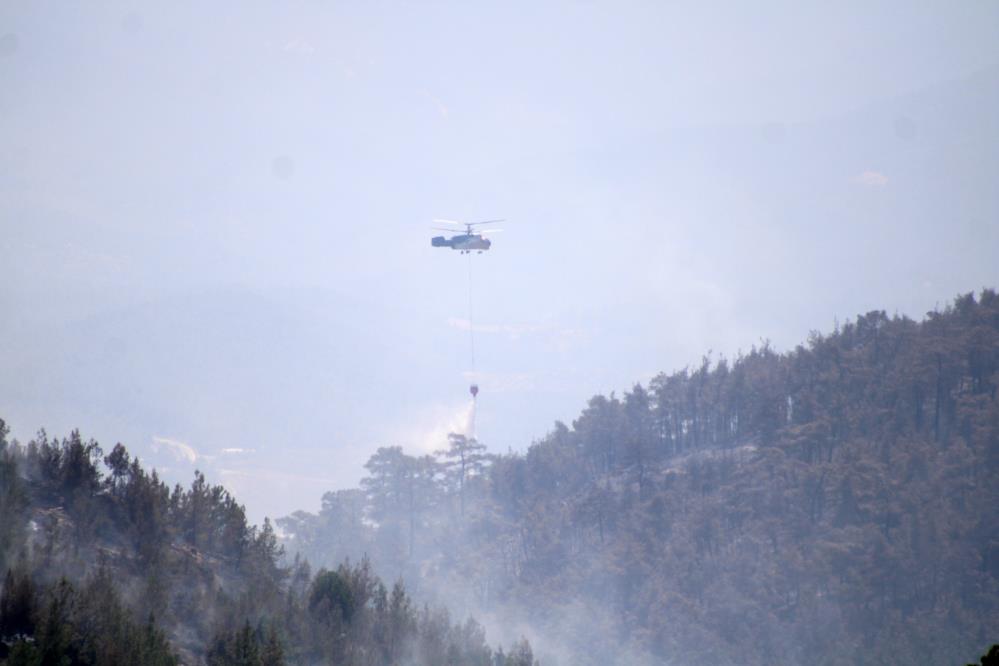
[(472, 224), (453, 231), (443, 221)]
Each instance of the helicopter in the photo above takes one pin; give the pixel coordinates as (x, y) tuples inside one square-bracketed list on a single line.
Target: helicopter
[(465, 242)]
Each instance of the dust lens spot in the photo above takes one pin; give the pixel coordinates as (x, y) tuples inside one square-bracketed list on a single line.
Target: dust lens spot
[(283, 167), (8, 45)]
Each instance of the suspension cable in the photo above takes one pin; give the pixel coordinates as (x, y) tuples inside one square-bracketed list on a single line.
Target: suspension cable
[(471, 325), (471, 339)]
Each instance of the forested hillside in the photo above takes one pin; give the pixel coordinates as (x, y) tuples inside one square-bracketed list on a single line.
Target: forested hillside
[(105, 564), (834, 504)]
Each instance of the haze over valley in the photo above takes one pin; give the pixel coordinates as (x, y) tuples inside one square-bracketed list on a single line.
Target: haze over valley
[(734, 340)]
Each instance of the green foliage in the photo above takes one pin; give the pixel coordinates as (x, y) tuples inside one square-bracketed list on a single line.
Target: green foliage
[(247, 647), (832, 504), (195, 570), (835, 503), (17, 605), (991, 658), (331, 599), (520, 655), (13, 500), (59, 624)]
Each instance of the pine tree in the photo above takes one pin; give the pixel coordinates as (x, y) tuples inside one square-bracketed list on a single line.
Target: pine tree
[(464, 458)]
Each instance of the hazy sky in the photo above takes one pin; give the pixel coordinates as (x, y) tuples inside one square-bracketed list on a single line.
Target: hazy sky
[(214, 217)]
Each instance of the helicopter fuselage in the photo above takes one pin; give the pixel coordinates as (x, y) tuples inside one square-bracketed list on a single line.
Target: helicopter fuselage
[(463, 242)]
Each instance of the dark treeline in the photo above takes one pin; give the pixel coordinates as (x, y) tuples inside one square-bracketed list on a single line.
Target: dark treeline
[(835, 504), (105, 564), (58, 624)]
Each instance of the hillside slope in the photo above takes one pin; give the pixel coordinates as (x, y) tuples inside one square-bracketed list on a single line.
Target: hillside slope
[(105, 564), (835, 504)]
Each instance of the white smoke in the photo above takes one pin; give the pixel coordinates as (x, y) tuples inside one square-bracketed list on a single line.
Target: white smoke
[(179, 450), (429, 430)]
